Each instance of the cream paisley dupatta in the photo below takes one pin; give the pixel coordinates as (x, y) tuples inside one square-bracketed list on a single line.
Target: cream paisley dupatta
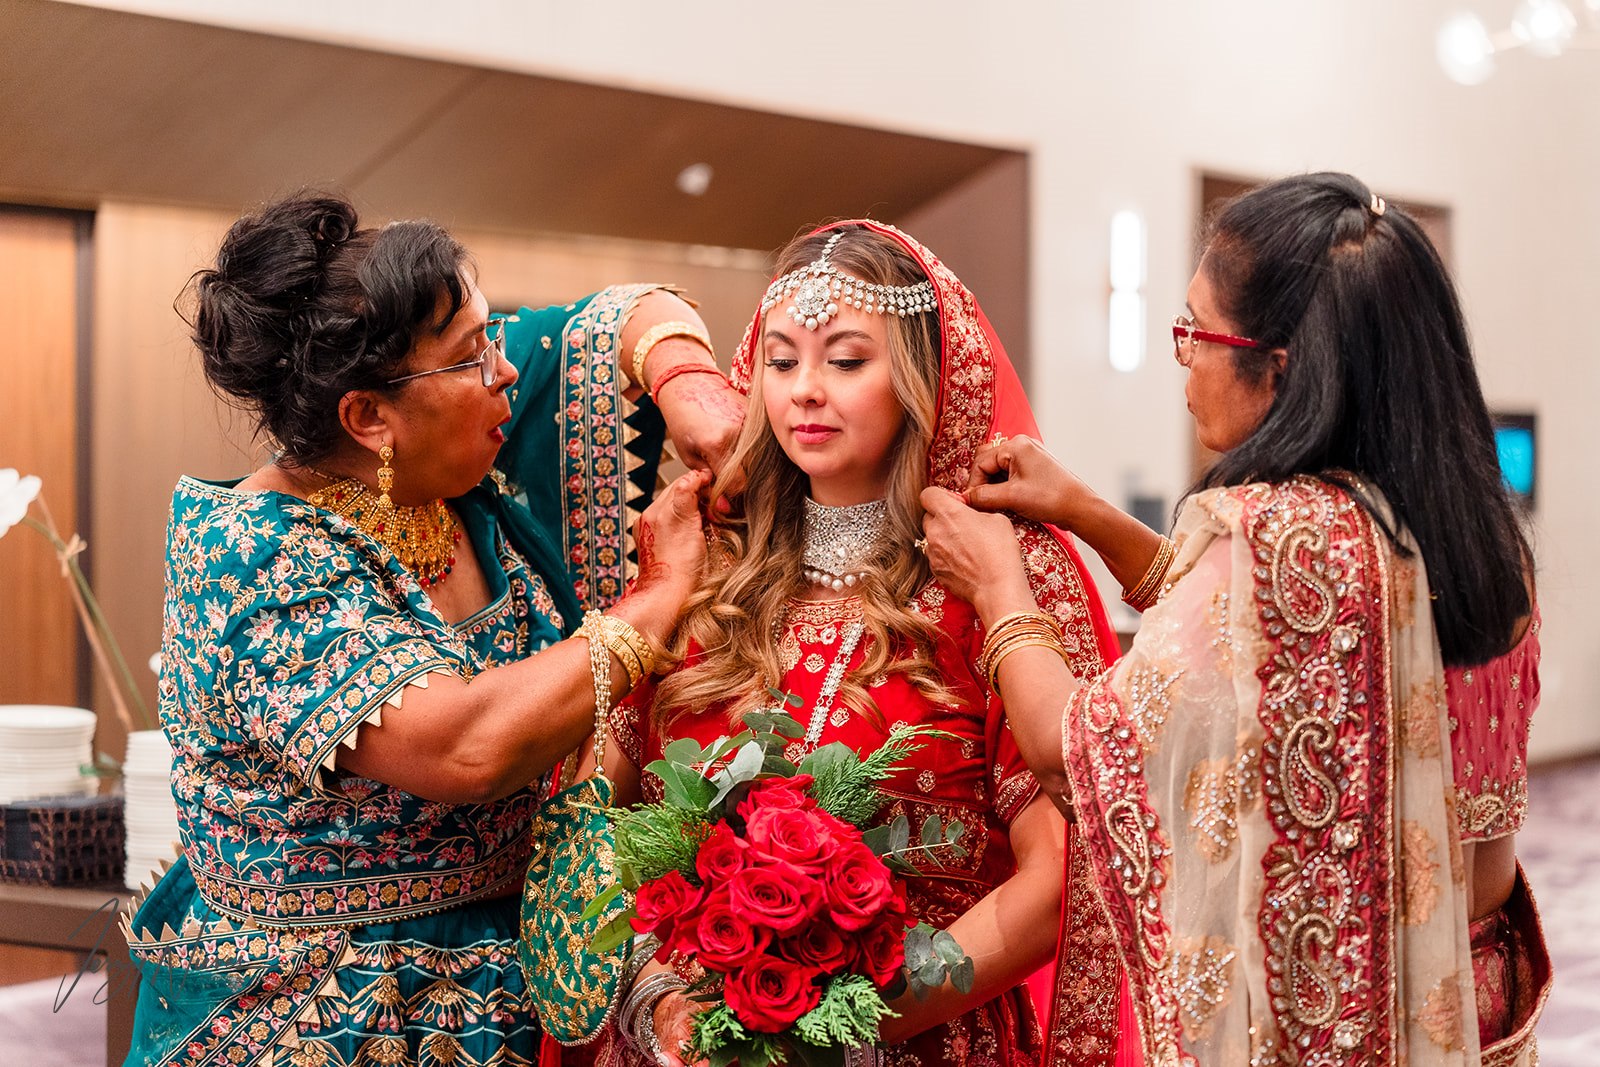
[(980, 395), (1267, 802)]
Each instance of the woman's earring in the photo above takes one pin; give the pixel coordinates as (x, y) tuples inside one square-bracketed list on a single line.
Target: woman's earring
[(385, 476)]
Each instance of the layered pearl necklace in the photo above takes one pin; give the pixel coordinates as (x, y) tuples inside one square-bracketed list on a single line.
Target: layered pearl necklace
[(841, 543)]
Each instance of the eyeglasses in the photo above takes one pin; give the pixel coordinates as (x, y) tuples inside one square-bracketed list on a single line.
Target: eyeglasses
[(487, 361), (1184, 337)]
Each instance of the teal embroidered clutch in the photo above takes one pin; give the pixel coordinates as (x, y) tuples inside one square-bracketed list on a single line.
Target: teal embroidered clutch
[(573, 988)]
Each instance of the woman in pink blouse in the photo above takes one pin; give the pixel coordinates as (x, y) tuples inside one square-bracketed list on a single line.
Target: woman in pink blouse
[(1299, 787)]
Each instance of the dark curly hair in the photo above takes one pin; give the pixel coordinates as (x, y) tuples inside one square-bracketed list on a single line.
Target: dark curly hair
[(1380, 382), (303, 306)]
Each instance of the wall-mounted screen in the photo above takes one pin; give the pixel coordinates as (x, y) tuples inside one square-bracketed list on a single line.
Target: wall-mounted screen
[(1516, 439)]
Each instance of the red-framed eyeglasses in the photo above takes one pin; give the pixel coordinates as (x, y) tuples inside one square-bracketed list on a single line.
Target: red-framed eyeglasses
[(1185, 336)]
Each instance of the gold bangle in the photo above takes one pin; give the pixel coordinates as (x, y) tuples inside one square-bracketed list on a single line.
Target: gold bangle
[(1022, 642), (1032, 626), (1147, 591), (660, 332), (628, 645)]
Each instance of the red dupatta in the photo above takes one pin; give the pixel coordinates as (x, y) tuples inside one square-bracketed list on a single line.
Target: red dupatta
[(980, 395)]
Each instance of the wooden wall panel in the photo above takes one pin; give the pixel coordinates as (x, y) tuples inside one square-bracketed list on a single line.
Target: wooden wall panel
[(38, 435), (153, 416)]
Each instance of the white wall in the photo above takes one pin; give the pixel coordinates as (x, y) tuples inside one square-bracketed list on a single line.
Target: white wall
[(1121, 102)]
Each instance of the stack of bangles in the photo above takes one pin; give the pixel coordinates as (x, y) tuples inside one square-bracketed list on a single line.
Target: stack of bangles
[(1020, 629), (660, 332), (1148, 591), (622, 641), (636, 1015)]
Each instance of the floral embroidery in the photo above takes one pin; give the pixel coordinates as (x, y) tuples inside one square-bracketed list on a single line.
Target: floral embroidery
[(600, 501), (1211, 800), (1202, 976), (1418, 873)]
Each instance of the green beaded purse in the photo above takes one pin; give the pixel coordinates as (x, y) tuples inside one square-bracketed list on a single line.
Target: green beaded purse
[(574, 989)]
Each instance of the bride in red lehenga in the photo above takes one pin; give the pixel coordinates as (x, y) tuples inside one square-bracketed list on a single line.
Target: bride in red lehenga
[(873, 374)]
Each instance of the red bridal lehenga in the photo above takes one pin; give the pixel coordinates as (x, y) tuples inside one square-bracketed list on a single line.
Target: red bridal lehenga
[(979, 778)]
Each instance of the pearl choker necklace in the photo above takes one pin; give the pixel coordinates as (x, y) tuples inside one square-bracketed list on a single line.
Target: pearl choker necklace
[(840, 543)]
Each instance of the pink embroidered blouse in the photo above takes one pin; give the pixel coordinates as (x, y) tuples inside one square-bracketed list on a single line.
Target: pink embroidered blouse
[(1490, 708)]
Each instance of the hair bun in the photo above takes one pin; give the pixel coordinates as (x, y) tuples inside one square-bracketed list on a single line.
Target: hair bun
[(332, 228)]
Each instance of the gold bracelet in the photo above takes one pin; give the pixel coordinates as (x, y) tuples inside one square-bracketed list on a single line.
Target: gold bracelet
[(628, 645), (1141, 596), (660, 332), (600, 670)]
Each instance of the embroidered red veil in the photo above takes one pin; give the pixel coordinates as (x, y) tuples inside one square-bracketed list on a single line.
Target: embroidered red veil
[(980, 395)]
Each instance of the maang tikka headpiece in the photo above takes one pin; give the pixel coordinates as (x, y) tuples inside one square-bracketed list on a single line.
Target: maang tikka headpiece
[(819, 288)]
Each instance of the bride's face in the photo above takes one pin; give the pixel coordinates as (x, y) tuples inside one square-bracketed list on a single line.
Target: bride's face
[(830, 399)]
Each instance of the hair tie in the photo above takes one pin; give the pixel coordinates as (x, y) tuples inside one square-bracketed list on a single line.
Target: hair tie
[(1377, 205)]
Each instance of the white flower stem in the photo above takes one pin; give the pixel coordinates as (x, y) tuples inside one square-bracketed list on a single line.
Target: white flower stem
[(102, 642)]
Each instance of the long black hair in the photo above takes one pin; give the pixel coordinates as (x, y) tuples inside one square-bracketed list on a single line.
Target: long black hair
[(1379, 383), (303, 306)]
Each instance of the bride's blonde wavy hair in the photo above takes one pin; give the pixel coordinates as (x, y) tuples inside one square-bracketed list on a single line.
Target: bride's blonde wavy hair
[(757, 545)]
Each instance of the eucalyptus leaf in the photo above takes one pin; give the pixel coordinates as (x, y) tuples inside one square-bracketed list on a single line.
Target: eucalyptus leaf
[(899, 834), (931, 834), (961, 976), (828, 758), (876, 838), (774, 721), (776, 764), (744, 766), (947, 949), (724, 745), (953, 831), (683, 788), (919, 944), (685, 751)]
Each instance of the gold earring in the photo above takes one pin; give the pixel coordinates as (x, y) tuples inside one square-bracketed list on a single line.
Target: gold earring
[(385, 476)]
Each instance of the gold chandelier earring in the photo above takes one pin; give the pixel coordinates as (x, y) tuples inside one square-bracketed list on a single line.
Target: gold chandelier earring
[(383, 509)]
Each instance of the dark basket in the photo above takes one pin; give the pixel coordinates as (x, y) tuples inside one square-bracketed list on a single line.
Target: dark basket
[(62, 841)]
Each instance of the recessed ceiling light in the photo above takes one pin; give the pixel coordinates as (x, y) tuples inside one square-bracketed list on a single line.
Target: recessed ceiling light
[(695, 179)]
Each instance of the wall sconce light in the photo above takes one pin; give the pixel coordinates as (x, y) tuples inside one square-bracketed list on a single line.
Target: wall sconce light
[(1126, 308)]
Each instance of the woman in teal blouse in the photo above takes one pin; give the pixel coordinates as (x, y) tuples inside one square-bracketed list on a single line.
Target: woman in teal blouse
[(368, 681)]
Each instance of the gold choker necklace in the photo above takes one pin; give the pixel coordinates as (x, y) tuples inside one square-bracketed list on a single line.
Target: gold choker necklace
[(422, 538)]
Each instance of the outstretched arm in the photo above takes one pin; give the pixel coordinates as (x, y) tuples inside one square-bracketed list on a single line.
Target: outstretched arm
[(975, 556)]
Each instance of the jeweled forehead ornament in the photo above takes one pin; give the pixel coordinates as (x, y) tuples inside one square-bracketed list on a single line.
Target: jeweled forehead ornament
[(819, 288)]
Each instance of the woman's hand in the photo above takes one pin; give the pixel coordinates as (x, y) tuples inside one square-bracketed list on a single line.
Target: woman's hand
[(1018, 475), (674, 1017), (704, 414), (974, 555), (671, 538)]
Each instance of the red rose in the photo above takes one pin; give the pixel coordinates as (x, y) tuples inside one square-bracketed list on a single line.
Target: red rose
[(881, 950), (727, 939), (770, 993), (661, 902), (858, 887), (795, 836), (778, 895), (722, 855), (818, 944), (777, 793)]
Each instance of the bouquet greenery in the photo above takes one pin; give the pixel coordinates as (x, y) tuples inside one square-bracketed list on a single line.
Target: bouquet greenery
[(773, 878)]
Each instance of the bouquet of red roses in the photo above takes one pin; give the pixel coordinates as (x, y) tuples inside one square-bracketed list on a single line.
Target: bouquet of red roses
[(759, 870)]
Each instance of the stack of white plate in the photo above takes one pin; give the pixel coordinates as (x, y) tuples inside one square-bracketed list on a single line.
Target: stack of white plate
[(149, 814), (43, 751)]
